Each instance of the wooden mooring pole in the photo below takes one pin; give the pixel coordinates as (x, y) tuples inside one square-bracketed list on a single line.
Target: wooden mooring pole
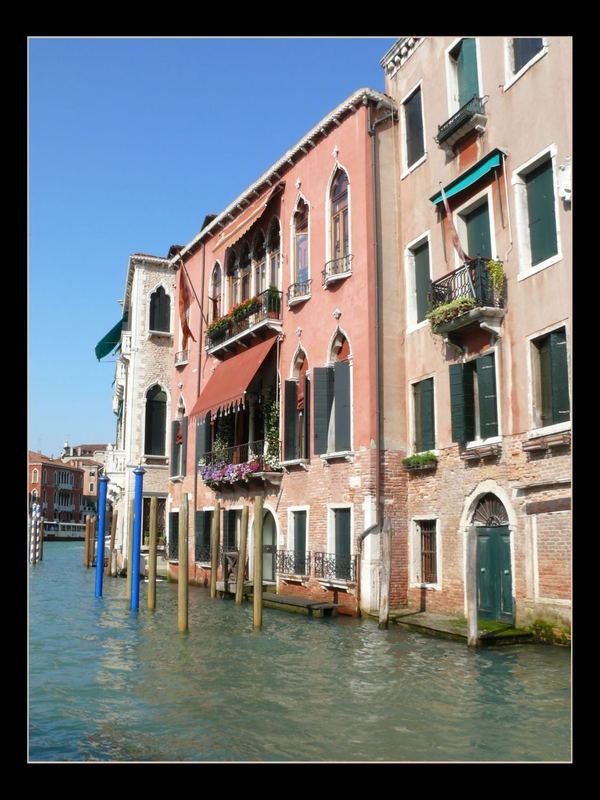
[(215, 535), (152, 555), (113, 533), (129, 550), (41, 535), (384, 581), (34, 535), (93, 524), (258, 562), (86, 541), (182, 576), (241, 568), (471, 587)]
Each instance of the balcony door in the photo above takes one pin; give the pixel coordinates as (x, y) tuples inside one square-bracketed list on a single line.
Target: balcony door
[(479, 240)]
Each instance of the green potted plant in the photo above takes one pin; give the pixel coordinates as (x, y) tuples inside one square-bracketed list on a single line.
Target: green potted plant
[(426, 460), (449, 311)]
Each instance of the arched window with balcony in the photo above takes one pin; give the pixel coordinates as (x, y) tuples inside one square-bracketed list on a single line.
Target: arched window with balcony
[(155, 421), (339, 263), (274, 254), (160, 311), (245, 272), (300, 249), (259, 257), (233, 279), (215, 293)]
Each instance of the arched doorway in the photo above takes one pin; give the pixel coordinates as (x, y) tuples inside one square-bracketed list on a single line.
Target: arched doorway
[(494, 570)]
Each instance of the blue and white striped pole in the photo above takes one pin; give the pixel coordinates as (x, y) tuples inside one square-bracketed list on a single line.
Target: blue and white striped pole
[(137, 538), (101, 522)]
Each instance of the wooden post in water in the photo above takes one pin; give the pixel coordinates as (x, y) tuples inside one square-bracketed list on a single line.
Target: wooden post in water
[(152, 556), (129, 550), (239, 586), (182, 579), (384, 581), (86, 541), (113, 532), (258, 561), (471, 587), (41, 535), (215, 535), (34, 536), (92, 539)]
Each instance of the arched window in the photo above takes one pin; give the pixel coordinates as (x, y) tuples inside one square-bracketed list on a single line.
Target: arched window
[(273, 254), (332, 400), (34, 476), (297, 411), (215, 293), (156, 420), (260, 263), (301, 243), (233, 278), (245, 272), (160, 311), (340, 232)]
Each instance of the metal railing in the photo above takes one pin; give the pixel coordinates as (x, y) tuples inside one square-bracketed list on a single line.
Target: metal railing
[(265, 306), (290, 562), (332, 565), (182, 357), (337, 266), (299, 289), (476, 105), (470, 280)]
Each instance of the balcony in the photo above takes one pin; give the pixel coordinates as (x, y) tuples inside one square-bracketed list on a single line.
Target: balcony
[(182, 358), (337, 269), (228, 467), (290, 562), (245, 322), (332, 567), (470, 117), (298, 292), (470, 295)]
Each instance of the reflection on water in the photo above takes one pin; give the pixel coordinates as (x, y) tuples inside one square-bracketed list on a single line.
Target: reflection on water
[(109, 685)]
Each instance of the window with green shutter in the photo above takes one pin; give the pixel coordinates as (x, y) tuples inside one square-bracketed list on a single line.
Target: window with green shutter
[(422, 280), (230, 528), (552, 389), (413, 122), (322, 404), (473, 399), (464, 56), (290, 420), (541, 213), (343, 557), (423, 404), (202, 535), (203, 437)]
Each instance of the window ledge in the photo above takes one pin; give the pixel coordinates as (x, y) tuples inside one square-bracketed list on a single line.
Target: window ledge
[(435, 587), (160, 334), (346, 454), (295, 301), (413, 167), (327, 583), (514, 78), (539, 267), (339, 277), (295, 462), (549, 429), (176, 478), (418, 326)]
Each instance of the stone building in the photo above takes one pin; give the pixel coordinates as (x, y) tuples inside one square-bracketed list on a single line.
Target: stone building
[(482, 314), (90, 458), (57, 487)]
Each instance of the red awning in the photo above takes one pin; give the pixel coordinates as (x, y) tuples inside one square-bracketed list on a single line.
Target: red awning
[(245, 221), (227, 387)]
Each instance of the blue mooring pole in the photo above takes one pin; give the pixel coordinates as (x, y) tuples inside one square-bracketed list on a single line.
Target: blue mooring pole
[(137, 538), (100, 550)]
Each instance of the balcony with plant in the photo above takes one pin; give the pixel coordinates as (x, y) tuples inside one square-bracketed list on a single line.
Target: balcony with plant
[(244, 319)]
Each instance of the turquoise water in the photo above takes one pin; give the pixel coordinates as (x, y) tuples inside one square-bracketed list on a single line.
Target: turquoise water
[(109, 685)]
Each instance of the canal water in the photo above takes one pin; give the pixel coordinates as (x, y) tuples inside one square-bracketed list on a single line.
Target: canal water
[(106, 684)]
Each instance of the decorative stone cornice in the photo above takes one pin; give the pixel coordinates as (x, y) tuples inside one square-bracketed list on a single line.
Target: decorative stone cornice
[(401, 51)]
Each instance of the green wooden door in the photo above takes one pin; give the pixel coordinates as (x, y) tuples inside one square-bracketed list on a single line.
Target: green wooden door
[(494, 575), (342, 543), (477, 222), (466, 71)]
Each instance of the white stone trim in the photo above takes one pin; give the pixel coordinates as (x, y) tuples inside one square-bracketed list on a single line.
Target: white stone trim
[(407, 170), (410, 281), (511, 76)]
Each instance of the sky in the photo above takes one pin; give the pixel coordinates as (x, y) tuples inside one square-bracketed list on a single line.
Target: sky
[(131, 143)]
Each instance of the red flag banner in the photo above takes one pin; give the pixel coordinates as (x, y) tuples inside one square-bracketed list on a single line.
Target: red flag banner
[(184, 302), (455, 240)]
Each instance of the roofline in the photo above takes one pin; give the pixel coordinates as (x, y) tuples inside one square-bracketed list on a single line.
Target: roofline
[(360, 97)]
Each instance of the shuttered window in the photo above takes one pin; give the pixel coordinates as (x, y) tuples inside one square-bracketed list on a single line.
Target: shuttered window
[(341, 389), (300, 561), (342, 543), (203, 438), (202, 535), (323, 404), (178, 447), (477, 223), (290, 421), (160, 311), (413, 120), (422, 280), (229, 529), (553, 404), (156, 422), (424, 416), (173, 535), (473, 399), (524, 49), (465, 58), (332, 408), (543, 238)]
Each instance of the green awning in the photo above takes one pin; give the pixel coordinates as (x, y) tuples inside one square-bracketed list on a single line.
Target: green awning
[(468, 178), (109, 342)]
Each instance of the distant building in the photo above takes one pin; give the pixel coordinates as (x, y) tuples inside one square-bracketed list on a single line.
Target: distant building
[(57, 487)]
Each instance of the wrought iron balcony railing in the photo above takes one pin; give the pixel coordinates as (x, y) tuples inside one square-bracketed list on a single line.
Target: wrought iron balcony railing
[(337, 268), (231, 464), (472, 280), (290, 562), (475, 106), (334, 566), (299, 289), (245, 316)]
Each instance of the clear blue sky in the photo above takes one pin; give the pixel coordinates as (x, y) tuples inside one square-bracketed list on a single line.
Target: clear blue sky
[(131, 143)]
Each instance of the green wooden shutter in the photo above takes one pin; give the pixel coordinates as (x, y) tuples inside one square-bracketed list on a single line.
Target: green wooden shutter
[(306, 453), (457, 403), (174, 466), (413, 119), (300, 532), (342, 543), (561, 409), (427, 415), (342, 405), (184, 432), (479, 242), (173, 534), (422, 280), (202, 535), (466, 68), (323, 402), (540, 207), (290, 421), (545, 380), (229, 530), (203, 444), (488, 411), (418, 408)]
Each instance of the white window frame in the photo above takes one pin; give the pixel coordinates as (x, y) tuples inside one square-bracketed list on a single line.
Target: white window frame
[(532, 399), (511, 76), (328, 252), (414, 556), (406, 170), (479, 442), (412, 415), (293, 280), (35, 475), (411, 283), (291, 532), (451, 76), (466, 208), (549, 153), (331, 508), (210, 285)]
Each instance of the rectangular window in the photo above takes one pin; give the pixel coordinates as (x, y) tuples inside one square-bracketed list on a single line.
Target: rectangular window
[(230, 528), (300, 566), (173, 535), (423, 405), (296, 419), (421, 278), (473, 399), (477, 224), (427, 550), (464, 60), (551, 380), (202, 536), (524, 49), (413, 124), (343, 558), (332, 409), (539, 183), (178, 447)]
